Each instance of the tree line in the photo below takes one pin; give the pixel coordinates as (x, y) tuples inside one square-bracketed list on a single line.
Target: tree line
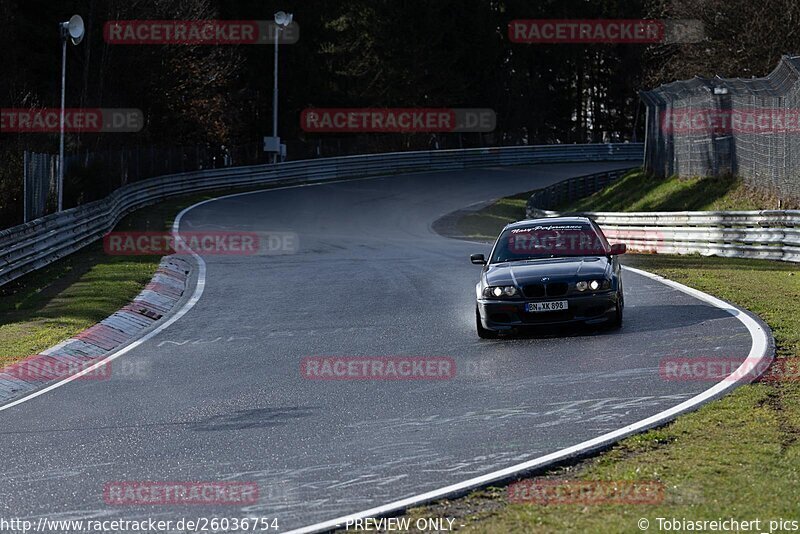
[(367, 53)]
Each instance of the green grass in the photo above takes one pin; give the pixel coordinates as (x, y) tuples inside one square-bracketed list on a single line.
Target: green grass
[(736, 457), (637, 191), (52, 304), (486, 223)]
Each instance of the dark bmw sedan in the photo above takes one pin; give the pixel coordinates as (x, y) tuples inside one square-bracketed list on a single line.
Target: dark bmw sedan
[(549, 271)]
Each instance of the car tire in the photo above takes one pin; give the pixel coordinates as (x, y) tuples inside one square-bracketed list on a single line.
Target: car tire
[(483, 333), (616, 322)]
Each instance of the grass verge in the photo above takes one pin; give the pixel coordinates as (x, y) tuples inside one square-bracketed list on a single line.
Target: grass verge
[(637, 191), (486, 223)]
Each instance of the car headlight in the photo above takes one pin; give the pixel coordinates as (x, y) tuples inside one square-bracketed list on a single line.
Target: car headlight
[(594, 285), (499, 291)]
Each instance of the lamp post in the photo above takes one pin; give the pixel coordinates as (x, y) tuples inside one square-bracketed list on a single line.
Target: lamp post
[(74, 30), (282, 20)]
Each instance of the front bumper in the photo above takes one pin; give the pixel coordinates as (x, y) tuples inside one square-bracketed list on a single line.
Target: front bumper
[(508, 314)]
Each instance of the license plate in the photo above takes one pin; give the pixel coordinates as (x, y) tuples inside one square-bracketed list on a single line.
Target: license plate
[(556, 305)]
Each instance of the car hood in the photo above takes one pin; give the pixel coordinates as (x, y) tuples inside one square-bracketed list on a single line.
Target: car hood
[(525, 272)]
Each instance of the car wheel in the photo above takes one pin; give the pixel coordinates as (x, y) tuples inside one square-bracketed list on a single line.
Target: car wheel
[(616, 322), (483, 333)]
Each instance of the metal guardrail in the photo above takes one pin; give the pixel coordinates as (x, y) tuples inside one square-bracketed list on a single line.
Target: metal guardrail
[(33, 245), (769, 234)]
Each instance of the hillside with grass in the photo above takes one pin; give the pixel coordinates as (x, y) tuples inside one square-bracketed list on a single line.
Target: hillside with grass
[(638, 191)]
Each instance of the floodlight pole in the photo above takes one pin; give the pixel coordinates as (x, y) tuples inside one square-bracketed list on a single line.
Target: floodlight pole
[(61, 121), (74, 30), (275, 155)]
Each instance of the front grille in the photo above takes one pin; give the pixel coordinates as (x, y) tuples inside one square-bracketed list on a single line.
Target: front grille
[(557, 289), (533, 291)]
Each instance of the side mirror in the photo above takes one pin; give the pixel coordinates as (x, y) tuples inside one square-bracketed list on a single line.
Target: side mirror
[(478, 259), (618, 248)]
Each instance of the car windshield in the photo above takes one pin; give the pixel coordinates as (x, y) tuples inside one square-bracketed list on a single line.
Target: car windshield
[(549, 241)]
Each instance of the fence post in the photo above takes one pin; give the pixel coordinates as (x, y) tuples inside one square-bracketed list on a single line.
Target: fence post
[(25, 186)]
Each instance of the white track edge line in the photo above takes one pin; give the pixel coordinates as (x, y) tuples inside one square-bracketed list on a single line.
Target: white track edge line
[(198, 292), (758, 353)]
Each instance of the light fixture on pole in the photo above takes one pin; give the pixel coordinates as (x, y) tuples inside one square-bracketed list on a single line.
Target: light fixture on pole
[(74, 30), (282, 20)]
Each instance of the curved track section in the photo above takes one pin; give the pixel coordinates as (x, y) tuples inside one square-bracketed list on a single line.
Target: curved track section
[(222, 397)]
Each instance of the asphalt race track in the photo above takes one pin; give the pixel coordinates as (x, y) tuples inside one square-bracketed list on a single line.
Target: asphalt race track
[(219, 395)]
